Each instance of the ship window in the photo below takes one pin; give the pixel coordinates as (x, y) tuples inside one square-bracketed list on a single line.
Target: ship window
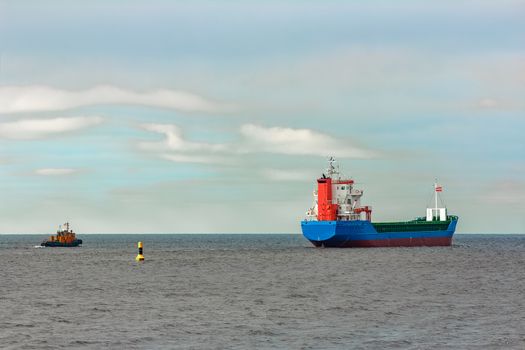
[(342, 187)]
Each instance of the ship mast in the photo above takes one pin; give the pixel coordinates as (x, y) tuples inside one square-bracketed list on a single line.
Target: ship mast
[(439, 214), (436, 195)]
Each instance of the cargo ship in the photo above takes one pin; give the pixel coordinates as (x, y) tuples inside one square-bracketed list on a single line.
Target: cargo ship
[(338, 219), (64, 238)]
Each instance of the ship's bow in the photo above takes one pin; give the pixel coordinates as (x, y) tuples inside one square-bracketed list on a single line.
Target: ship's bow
[(319, 232)]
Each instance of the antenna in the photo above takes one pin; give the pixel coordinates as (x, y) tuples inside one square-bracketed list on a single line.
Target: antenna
[(331, 169)]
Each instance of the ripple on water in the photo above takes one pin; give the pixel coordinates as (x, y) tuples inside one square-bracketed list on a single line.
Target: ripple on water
[(257, 291)]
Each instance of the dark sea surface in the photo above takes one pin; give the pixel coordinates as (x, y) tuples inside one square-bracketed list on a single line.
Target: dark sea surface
[(261, 291)]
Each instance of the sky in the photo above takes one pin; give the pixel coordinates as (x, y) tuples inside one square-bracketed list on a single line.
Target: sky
[(218, 116)]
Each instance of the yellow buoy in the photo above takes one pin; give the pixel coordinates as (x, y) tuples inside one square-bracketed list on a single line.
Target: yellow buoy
[(139, 256)]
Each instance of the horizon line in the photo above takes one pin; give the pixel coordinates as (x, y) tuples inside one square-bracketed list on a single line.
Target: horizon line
[(228, 233)]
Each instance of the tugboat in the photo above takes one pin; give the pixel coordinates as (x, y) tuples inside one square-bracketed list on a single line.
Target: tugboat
[(63, 238)]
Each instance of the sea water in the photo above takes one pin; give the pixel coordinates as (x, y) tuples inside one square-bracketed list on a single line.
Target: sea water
[(260, 291)]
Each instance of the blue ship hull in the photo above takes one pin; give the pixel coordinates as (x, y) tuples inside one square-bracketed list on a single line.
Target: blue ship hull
[(360, 233)]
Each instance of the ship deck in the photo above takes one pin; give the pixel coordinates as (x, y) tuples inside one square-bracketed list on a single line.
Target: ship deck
[(419, 224)]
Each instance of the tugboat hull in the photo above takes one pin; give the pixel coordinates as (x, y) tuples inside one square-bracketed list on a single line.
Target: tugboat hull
[(75, 243)]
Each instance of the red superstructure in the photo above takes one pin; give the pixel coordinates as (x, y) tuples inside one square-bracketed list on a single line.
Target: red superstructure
[(337, 199), (326, 210)]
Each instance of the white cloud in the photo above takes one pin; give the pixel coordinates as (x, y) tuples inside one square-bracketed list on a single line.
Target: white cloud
[(298, 142), (34, 98), (175, 140), (55, 171), (500, 104), (488, 103), (253, 139), (40, 128), (193, 158)]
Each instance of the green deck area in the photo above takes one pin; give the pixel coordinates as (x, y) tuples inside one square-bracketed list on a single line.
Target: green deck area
[(419, 224)]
